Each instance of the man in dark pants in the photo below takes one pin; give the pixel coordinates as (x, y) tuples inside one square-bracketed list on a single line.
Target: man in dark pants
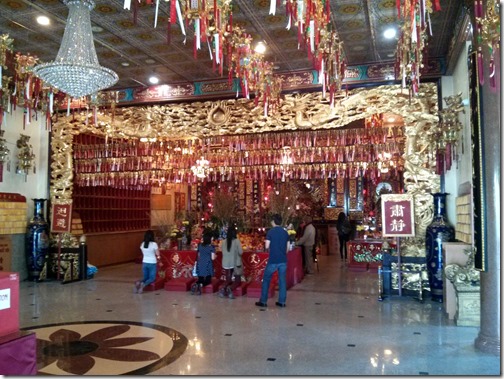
[(277, 241)]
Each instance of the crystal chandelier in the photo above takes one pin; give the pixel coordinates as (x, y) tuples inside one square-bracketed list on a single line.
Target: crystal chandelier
[(201, 168), (76, 70)]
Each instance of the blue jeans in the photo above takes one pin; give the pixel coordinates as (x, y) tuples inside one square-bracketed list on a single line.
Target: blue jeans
[(149, 273), (282, 281)]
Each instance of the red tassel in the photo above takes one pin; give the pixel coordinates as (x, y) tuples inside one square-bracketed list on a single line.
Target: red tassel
[(480, 66), (437, 5), (173, 11), (135, 11), (398, 6)]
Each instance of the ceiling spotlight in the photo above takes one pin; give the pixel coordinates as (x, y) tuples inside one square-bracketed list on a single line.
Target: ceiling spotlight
[(260, 48), (43, 20), (391, 119), (389, 33), (153, 80), (125, 64)]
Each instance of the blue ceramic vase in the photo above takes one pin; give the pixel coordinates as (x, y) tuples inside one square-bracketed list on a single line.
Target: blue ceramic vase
[(438, 231), (37, 241)]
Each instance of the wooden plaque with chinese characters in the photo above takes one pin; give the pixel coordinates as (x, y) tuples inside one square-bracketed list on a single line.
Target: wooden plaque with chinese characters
[(398, 216), (61, 218)]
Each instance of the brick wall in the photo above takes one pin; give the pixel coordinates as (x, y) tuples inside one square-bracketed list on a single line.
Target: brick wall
[(13, 210)]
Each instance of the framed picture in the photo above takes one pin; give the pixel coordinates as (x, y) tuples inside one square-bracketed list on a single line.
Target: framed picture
[(398, 216)]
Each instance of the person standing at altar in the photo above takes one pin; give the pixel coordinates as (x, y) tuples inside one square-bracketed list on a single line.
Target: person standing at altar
[(204, 263), (150, 251), (277, 242), (308, 242), (231, 262), (344, 232)]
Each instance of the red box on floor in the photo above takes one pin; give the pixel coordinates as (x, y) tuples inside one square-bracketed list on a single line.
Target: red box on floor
[(9, 302)]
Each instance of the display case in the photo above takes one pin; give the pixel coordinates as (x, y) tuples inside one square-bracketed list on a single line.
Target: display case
[(108, 209), (113, 204)]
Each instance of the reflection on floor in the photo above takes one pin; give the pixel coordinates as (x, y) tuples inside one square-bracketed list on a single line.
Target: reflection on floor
[(332, 325)]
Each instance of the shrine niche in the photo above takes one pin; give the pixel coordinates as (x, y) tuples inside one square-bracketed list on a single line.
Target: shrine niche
[(192, 127)]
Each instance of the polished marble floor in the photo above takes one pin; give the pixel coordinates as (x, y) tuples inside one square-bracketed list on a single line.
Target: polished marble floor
[(332, 325)]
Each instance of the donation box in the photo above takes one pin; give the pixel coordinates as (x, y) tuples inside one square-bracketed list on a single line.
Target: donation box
[(9, 302)]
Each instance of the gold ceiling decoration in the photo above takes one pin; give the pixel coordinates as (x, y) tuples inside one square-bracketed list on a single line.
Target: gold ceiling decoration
[(229, 117)]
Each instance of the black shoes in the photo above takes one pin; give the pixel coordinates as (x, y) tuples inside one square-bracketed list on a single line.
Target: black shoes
[(282, 305), (259, 304)]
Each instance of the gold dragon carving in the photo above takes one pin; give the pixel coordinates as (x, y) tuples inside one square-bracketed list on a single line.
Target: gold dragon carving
[(297, 112)]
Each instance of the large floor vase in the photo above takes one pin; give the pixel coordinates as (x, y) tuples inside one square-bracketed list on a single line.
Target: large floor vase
[(37, 241), (438, 231)]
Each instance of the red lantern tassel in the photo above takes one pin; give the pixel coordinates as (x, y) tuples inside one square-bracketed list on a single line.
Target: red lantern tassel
[(437, 5), (398, 6)]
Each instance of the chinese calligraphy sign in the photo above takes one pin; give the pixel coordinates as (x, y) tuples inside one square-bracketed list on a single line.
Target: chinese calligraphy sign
[(61, 218), (397, 215)]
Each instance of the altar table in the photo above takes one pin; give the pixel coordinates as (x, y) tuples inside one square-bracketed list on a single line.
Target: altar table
[(178, 264)]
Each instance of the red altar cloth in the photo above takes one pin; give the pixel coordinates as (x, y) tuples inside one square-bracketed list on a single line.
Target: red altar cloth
[(178, 265)]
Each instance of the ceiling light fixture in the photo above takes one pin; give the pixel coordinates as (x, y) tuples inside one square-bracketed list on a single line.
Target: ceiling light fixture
[(43, 20), (389, 33), (76, 70), (153, 80), (260, 48)]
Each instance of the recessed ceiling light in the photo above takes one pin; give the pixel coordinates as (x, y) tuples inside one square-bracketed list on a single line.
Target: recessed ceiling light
[(43, 20), (97, 29), (150, 61), (389, 33), (125, 64), (391, 119), (358, 48), (153, 80), (391, 55)]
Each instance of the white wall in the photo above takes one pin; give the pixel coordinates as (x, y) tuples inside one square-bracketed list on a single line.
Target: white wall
[(461, 171), (36, 185)]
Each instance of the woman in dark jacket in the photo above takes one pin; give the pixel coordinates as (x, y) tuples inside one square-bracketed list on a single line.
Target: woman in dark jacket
[(344, 232), (204, 265)]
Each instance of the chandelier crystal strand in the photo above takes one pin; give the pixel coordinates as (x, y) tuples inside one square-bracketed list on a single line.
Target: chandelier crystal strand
[(76, 70)]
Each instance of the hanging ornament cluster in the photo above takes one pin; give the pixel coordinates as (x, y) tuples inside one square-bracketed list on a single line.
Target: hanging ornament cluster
[(324, 47), (23, 89), (298, 155), (415, 31), (488, 33), (228, 45)]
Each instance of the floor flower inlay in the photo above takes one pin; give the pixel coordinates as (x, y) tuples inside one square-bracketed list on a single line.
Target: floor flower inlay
[(106, 348)]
